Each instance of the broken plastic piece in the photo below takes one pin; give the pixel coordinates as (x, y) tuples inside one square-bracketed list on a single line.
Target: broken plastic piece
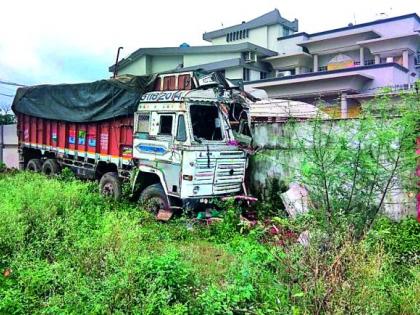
[(201, 216)]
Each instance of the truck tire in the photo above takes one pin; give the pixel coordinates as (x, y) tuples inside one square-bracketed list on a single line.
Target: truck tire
[(34, 165), (153, 199), (51, 167), (110, 185)]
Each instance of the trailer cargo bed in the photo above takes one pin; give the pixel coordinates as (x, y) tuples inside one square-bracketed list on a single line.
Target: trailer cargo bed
[(109, 141)]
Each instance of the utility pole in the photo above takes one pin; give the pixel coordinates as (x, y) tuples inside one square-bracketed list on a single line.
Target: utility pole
[(116, 62)]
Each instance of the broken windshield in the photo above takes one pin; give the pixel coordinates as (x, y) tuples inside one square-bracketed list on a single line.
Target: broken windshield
[(206, 122)]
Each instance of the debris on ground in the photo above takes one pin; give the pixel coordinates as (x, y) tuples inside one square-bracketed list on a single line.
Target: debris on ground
[(164, 215), (296, 200), (304, 238)]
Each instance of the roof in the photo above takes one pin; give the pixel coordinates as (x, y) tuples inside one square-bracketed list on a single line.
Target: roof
[(225, 64), (314, 74), (171, 51), (351, 27), (284, 110), (270, 18)]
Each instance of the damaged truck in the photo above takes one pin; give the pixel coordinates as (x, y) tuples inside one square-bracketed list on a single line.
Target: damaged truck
[(167, 135)]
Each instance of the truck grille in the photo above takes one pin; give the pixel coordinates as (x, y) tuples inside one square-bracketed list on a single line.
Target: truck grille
[(204, 171), (225, 174), (230, 174)]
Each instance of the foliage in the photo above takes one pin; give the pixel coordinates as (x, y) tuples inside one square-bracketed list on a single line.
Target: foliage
[(65, 250), (7, 119), (350, 166), (401, 240)]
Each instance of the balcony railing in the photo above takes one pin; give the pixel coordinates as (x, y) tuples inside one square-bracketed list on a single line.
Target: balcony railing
[(391, 88)]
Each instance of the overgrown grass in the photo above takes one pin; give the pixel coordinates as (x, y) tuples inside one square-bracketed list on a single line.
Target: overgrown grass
[(64, 249)]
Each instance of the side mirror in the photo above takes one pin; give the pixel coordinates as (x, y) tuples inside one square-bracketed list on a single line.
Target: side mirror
[(181, 132)]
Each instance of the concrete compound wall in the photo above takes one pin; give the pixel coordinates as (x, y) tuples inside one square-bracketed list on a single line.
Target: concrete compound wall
[(279, 158), (9, 146)]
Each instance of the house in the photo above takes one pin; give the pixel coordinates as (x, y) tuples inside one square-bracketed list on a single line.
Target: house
[(347, 65), (237, 51)]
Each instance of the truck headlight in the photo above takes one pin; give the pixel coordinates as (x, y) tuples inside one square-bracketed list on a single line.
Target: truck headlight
[(196, 189)]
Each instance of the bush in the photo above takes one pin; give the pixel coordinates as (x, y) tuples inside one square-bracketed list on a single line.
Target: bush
[(64, 249), (400, 240)]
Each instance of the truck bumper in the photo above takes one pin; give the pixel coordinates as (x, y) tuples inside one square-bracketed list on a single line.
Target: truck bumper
[(197, 203)]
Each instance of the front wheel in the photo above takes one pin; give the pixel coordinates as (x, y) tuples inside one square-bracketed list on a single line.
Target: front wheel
[(110, 185), (153, 198)]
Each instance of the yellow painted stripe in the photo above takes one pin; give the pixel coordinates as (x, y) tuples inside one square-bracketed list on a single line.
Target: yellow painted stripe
[(78, 151)]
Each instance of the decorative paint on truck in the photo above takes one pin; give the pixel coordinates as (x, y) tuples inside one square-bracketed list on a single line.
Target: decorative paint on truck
[(177, 150)]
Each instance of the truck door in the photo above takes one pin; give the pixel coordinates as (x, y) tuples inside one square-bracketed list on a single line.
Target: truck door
[(154, 146), (153, 142)]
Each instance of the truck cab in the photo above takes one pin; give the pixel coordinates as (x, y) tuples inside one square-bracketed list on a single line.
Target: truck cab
[(183, 138)]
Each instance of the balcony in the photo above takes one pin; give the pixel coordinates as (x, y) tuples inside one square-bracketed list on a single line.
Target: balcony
[(353, 80)]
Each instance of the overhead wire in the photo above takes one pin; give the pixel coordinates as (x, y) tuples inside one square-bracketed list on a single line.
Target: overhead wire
[(8, 95), (11, 83)]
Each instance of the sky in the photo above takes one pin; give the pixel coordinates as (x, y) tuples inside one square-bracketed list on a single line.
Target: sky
[(57, 41)]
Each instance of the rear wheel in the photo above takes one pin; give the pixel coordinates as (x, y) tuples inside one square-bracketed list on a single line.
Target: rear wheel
[(34, 165), (110, 185), (51, 167), (153, 199)]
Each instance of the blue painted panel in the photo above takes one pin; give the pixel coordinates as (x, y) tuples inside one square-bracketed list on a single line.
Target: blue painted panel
[(151, 149)]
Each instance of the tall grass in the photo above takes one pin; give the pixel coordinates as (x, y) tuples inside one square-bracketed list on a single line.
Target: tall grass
[(64, 249)]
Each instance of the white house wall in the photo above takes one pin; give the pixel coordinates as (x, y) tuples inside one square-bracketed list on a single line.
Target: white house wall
[(165, 63), (234, 73), (198, 59)]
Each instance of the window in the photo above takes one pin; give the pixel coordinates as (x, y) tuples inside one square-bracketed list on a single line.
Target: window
[(206, 123), (158, 84), (143, 123), (143, 126), (246, 74), (263, 75), (165, 125), (237, 35), (181, 133), (184, 82), (286, 31), (169, 83)]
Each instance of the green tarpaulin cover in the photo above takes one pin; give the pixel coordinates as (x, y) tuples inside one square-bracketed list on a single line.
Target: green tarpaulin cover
[(84, 102)]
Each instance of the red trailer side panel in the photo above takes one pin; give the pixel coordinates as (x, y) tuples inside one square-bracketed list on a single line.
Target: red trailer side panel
[(111, 139)]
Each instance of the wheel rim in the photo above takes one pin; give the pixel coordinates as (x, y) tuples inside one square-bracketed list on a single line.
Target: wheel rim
[(47, 171), (108, 190)]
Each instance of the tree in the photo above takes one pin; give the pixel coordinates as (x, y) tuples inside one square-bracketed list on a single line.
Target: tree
[(6, 115), (350, 166)]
